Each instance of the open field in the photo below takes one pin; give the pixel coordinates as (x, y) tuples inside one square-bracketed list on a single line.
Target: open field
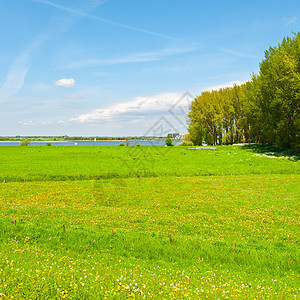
[(161, 237), (85, 163)]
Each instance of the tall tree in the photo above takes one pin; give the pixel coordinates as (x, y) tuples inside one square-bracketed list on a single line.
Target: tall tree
[(264, 110), (279, 97)]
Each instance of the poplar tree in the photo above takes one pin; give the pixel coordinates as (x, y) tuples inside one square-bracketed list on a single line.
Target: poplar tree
[(264, 110)]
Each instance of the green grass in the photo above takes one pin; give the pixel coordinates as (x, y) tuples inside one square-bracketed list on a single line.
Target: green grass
[(116, 242), (85, 163)]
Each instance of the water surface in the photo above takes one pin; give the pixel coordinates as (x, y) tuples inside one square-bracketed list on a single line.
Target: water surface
[(97, 143)]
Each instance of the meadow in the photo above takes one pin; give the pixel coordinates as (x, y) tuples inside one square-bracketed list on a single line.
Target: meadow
[(86, 163), (166, 223)]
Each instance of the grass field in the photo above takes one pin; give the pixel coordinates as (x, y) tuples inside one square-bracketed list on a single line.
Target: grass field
[(114, 224), (85, 163)]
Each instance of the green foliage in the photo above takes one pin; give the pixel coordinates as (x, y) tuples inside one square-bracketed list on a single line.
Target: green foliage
[(278, 97), (169, 142), (195, 127), (138, 145), (186, 144), (265, 110), (48, 144), (121, 145), (24, 143), (221, 116)]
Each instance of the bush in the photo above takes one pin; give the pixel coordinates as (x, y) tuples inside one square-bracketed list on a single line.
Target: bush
[(186, 144), (48, 144), (138, 145), (121, 145), (169, 142), (24, 143)]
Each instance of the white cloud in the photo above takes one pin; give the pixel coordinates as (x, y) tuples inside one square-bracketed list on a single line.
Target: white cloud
[(65, 82), (223, 85), (290, 21), (28, 123), (142, 106), (137, 106), (32, 123)]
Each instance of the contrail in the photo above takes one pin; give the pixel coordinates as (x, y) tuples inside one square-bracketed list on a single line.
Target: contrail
[(18, 70), (83, 14)]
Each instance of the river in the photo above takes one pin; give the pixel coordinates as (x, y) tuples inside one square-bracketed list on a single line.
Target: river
[(97, 143)]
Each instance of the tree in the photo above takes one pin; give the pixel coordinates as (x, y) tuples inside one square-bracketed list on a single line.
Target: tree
[(169, 142), (24, 143), (216, 117), (264, 110), (279, 93)]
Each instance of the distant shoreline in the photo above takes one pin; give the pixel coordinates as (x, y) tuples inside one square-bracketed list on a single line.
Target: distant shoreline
[(37, 141), (137, 140)]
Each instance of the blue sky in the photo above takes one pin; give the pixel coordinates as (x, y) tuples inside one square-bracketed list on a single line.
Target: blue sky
[(116, 68)]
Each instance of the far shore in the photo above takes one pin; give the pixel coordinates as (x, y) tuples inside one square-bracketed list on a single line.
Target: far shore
[(38, 141), (42, 141)]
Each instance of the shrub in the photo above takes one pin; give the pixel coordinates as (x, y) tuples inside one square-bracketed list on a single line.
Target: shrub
[(138, 145), (48, 144), (186, 144), (24, 143), (169, 142), (121, 145)]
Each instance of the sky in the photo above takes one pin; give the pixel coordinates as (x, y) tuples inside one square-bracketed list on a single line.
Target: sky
[(126, 68)]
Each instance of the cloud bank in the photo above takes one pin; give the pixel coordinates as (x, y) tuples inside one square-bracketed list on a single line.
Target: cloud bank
[(141, 106), (137, 106)]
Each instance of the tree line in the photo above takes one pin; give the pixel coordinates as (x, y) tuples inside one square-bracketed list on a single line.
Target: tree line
[(264, 110)]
